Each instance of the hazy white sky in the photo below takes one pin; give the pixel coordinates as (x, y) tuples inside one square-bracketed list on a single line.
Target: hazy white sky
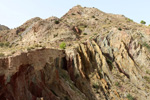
[(13, 13)]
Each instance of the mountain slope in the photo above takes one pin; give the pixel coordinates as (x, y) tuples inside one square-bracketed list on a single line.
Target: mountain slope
[(2, 27), (104, 57)]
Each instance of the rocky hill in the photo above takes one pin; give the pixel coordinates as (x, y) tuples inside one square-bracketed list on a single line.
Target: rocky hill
[(2, 27), (86, 54)]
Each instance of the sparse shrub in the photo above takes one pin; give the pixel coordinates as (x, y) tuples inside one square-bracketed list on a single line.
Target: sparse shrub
[(143, 22), (16, 44), (91, 38), (129, 96), (117, 83), (93, 16), (57, 22), (73, 14), (119, 29), (95, 85), (96, 19), (85, 26), (95, 33), (148, 72), (147, 78), (1, 44), (146, 45), (2, 54), (84, 33), (7, 44), (36, 45), (129, 20), (55, 35), (30, 48), (63, 45)]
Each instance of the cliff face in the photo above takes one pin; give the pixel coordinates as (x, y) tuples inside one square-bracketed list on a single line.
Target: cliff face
[(106, 57), (85, 72), (36, 75)]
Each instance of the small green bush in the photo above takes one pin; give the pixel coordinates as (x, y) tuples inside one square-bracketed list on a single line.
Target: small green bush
[(95, 85), (95, 33), (147, 79), (7, 44), (129, 20), (93, 16), (91, 38), (1, 44), (129, 96), (119, 29), (84, 33), (55, 35), (117, 84), (143, 22), (148, 72), (56, 21), (85, 26), (63, 45), (30, 48), (36, 45), (73, 14)]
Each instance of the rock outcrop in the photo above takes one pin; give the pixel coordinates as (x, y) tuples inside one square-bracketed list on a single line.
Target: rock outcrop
[(2, 27)]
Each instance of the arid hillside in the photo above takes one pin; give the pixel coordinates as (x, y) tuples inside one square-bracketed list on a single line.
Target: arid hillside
[(86, 54), (2, 27)]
